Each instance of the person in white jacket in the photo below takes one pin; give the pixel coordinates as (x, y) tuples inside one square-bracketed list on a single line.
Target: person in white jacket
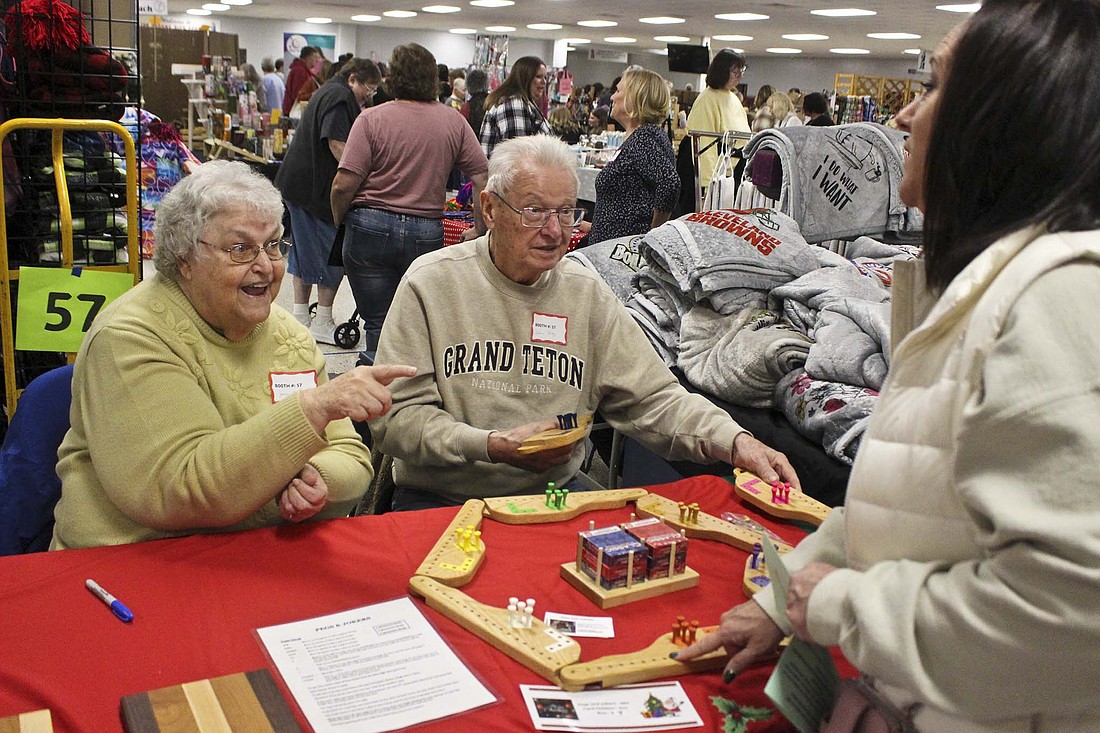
[(963, 574)]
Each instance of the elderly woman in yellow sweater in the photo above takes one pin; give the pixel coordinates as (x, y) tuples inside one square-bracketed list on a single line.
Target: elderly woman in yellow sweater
[(198, 405)]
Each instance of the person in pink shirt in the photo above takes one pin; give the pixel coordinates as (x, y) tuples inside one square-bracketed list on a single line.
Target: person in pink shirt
[(390, 186)]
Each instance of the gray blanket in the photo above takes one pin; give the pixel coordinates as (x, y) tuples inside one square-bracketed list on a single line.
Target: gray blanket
[(615, 260), (739, 358), (842, 182), (851, 343), (729, 259), (831, 414), (800, 300)]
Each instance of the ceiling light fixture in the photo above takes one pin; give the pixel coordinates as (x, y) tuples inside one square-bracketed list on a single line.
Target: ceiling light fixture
[(399, 14), (741, 16), (661, 20), (782, 50), (463, 31), (318, 20), (964, 8), (492, 3), (441, 9), (894, 36), (672, 39), (850, 51), (500, 28), (597, 23), (236, 2), (912, 51), (198, 11), (733, 37), (805, 37), (216, 7), (620, 39), (843, 12), (544, 26), (366, 18)]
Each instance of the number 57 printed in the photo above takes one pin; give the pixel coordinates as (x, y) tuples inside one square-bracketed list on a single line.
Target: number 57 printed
[(56, 308)]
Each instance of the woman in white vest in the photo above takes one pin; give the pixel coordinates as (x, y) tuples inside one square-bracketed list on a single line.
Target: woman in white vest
[(963, 574)]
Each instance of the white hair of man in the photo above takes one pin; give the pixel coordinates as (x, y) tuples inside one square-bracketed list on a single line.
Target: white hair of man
[(214, 188), (528, 155)]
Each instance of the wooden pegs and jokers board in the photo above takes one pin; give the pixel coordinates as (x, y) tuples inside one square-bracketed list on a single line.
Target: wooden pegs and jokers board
[(791, 504), (697, 524), (457, 554), (540, 648)]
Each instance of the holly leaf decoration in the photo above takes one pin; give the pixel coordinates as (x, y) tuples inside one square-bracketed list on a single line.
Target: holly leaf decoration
[(738, 717)]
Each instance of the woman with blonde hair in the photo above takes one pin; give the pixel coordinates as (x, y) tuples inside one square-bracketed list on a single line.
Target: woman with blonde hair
[(638, 189)]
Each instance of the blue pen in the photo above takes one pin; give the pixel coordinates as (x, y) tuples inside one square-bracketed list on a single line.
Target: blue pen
[(124, 614)]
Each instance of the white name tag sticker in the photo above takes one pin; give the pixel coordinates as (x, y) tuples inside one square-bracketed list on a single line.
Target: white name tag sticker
[(284, 384), (549, 329)]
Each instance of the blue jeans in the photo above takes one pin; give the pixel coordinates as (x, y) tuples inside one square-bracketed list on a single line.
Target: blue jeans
[(378, 247)]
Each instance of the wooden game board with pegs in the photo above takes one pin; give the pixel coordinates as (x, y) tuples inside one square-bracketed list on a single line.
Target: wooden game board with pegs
[(706, 526), (557, 437), (758, 492), (610, 597), (540, 648), (755, 579), (532, 509), (447, 562), (643, 665)]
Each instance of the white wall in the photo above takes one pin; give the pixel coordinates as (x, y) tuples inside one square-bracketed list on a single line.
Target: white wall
[(265, 38), (808, 74)]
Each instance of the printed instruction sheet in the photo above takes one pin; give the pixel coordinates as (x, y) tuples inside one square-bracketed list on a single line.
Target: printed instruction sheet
[(648, 706), (372, 669)]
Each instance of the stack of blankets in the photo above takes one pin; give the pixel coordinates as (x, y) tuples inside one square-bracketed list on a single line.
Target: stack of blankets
[(752, 314)]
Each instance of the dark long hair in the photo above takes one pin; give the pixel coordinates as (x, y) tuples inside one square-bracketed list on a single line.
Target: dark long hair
[(413, 74), (718, 73), (1016, 138), (518, 81)]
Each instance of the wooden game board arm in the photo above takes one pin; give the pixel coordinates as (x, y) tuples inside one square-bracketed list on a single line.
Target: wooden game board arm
[(644, 665), (799, 506), (541, 649), (532, 509)]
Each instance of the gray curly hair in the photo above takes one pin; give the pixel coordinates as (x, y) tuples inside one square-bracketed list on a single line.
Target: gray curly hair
[(212, 189)]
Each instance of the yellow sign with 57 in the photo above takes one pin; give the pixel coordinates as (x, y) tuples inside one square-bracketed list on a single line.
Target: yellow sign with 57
[(56, 305)]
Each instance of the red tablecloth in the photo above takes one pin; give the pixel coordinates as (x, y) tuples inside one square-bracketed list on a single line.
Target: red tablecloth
[(198, 599), (454, 227)]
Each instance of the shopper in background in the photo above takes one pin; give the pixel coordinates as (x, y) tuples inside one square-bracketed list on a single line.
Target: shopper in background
[(514, 106), (302, 70), (251, 76), (638, 189), (717, 108), (279, 64), (563, 125), (816, 107), (961, 575), (505, 300), (477, 89), (458, 94), (274, 88), (597, 121), (305, 180), (390, 187), (198, 405)]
